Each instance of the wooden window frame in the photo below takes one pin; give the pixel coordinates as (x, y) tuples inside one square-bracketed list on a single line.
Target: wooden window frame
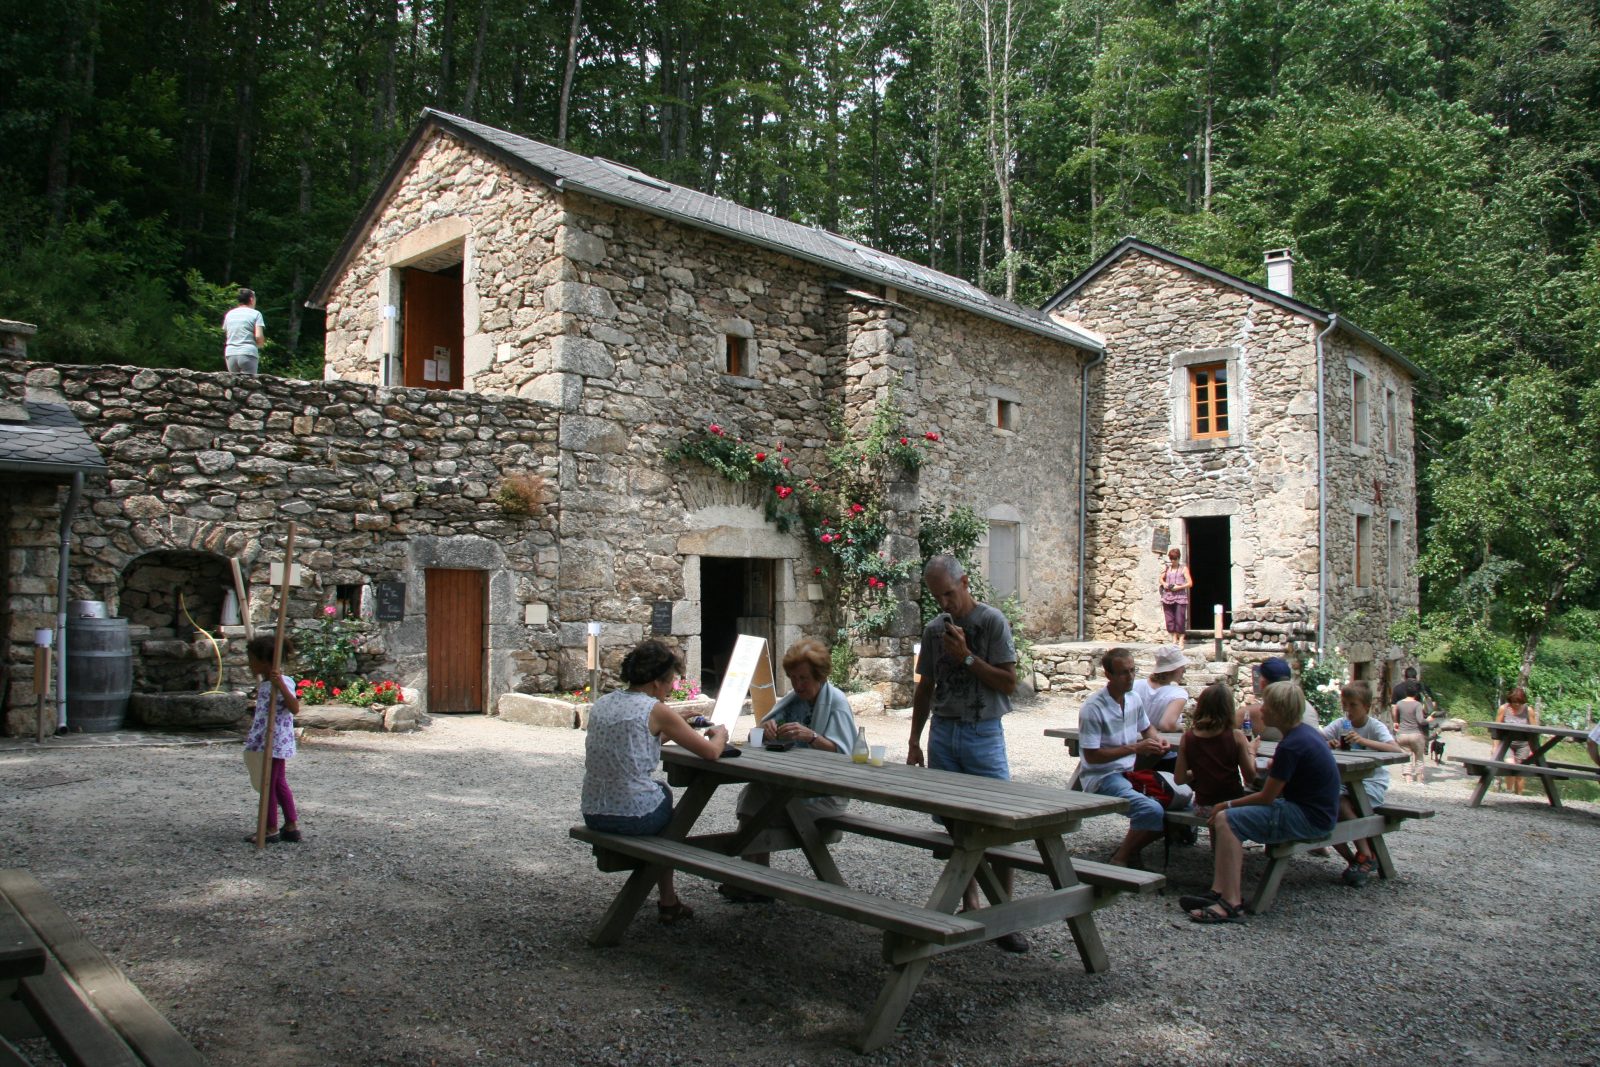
[(736, 355), (1360, 410), (1363, 552), (1391, 422), (1396, 540), (1006, 413), (1214, 430)]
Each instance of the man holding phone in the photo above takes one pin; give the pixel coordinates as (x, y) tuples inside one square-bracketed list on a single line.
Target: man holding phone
[(968, 669)]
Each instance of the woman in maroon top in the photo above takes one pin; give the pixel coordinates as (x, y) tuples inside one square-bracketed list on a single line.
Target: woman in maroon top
[(1214, 757)]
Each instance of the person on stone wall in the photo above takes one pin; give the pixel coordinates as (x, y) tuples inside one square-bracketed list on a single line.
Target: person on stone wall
[(1113, 734), (1176, 581), (243, 335), (968, 669)]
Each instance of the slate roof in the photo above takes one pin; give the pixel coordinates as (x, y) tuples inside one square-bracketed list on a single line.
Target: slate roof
[(51, 441), (619, 184), (1260, 292)]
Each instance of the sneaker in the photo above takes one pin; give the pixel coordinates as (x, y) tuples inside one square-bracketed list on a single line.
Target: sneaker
[(1357, 874), (1012, 942)]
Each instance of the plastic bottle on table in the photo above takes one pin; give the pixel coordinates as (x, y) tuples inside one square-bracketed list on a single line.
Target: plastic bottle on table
[(859, 752)]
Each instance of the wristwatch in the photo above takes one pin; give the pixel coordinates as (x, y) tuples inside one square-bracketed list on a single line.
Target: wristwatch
[(968, 661)]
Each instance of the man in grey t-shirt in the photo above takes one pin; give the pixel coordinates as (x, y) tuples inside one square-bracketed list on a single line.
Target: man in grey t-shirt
[(243, 335)]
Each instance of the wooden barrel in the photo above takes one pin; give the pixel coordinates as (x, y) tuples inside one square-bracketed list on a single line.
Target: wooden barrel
[(99, 674)]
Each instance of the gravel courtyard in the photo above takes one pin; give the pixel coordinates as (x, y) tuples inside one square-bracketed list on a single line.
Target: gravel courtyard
[(437, 913)]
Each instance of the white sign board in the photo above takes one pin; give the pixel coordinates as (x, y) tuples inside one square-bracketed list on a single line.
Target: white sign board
[(749, 671), (275, 575)]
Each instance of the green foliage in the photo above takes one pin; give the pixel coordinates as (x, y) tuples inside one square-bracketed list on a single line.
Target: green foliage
[(840, 511), (841, 671), (1581, 624), (1565, 682), (1321, 678), (327, 649), (1482, 656)]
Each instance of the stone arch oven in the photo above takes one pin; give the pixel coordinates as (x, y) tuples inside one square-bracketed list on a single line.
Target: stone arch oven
[(168, 597)]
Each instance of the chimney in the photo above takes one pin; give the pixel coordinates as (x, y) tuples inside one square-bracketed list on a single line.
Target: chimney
[(1280, 271)]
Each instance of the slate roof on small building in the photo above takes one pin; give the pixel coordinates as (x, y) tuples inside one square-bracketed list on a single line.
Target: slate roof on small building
[(50, 441), (620, 184), (1260, 292)]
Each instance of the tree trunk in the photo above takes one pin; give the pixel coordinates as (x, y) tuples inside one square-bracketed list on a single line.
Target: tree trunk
[(447, 50), (475, 75), (566, 78), (244, 119)]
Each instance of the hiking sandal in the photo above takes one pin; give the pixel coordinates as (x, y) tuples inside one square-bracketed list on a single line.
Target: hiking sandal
[(1231, 913)]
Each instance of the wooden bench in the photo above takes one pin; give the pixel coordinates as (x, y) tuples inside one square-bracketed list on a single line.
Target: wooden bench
[(77, 997), (1105, 879), (1490, 769), (893, 916)]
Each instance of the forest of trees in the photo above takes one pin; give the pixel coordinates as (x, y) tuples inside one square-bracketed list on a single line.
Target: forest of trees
[(1435, 165)]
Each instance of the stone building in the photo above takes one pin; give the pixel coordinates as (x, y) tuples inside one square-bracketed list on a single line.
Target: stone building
[(1271, 440), (503, 314)]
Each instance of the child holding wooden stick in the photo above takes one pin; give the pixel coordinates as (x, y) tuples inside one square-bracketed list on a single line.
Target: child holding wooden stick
[(262, 653)]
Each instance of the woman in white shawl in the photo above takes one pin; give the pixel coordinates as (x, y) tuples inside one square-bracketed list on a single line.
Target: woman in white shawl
[(814, 715)]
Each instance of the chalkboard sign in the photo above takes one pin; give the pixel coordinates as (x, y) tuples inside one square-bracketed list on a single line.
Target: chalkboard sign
[(391, 601), (661, 617), (1161, 540)]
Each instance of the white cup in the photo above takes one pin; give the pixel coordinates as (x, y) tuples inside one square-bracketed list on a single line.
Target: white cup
[(877, 755), (757, 738)]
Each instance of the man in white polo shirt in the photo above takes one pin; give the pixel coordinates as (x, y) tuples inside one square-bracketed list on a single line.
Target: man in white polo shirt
[(1113, 732)]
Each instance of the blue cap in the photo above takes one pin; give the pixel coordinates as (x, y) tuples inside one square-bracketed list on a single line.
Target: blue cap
[(1276, 669)]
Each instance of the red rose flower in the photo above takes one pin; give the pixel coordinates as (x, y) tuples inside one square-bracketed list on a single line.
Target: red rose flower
[(816, 570), (760, 456), (856, 509), (785, 461), (932, 436), (905, 440), (715, 429), (784, 491)]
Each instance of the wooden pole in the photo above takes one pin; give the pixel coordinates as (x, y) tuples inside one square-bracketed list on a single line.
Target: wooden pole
[(41, 685), (272, 690)]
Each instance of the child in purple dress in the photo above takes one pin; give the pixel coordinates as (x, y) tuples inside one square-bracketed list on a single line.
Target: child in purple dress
[(261, 651)]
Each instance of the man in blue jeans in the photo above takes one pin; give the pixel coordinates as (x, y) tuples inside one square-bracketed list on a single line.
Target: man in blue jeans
[(1113, 733), (968, 669)]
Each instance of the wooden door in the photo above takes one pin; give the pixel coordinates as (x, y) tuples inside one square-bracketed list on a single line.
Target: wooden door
[(456, 610), (431, 330)]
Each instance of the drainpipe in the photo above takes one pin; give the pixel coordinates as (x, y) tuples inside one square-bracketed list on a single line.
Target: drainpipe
[(67, 513), (1322, 483), (1083, 477)]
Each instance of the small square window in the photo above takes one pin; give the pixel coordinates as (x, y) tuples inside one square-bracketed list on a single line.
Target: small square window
[(1005, 414), (1360, 410), (736, 355), (1208, 401), (347, 598), (1396, 546)]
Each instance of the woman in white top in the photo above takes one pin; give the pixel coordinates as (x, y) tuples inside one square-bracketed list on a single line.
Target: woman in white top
[(1166, 697), (626, 729)]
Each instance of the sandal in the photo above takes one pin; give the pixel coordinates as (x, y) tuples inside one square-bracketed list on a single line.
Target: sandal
[(1230, 913), (1199, 901), (668, 914), (292, 836), (272, 839)]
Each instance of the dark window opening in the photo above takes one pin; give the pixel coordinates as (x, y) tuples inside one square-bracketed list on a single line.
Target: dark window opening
[(737, 351)]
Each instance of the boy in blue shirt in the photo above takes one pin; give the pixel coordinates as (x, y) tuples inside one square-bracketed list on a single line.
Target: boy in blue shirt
[(1299, 801)]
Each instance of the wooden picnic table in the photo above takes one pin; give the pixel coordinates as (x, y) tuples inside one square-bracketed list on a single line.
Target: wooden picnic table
[(1370, 822), (984, 817), (1541, 739)]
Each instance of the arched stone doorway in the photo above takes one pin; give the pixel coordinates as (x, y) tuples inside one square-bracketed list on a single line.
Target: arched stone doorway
[(168, 596)]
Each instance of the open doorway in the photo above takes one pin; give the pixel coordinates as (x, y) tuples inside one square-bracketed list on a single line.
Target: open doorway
[(431, 327), (736, 597), (1211, 564)]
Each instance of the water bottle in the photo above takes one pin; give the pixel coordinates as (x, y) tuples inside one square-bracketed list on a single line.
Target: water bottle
[(859, 752), (1247, 731)]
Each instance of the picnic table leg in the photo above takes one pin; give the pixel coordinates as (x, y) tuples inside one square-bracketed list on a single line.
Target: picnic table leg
[(904, 977), (1545, 780), (891, 1003), (1380, 848), (812, 844), (1085, 934), (1271, 879), (636, 890), (1485, 780)]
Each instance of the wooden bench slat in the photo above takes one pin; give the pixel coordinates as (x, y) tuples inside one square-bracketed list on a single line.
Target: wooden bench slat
[(1403, 811), (1504, 768), (21, 953), (892, 915), (10, 1057), (145, 1029), (79, 1034), (1099, 875)]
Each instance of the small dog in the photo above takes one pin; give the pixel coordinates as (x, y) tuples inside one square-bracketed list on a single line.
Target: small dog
[(1436, 749)]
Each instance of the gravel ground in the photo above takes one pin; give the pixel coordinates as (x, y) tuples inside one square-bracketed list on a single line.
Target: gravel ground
[(436, 914)]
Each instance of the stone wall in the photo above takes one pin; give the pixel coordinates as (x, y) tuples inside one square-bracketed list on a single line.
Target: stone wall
[(1147, 476), (456, 205), (383, 483)]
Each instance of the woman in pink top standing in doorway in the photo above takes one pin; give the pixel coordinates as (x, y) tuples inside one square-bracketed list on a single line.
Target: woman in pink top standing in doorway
[(1176, 581)]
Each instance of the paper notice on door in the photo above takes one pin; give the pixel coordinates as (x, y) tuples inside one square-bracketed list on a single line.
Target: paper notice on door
[(749, 671), (441, 363), (430, 371)]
